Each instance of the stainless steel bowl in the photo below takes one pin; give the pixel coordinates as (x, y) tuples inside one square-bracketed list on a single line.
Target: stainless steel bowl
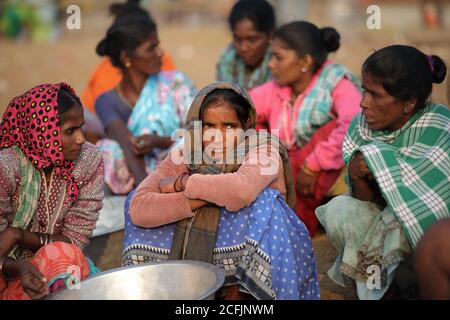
[(168, 280)]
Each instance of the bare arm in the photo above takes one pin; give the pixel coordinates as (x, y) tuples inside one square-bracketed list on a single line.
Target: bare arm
[(117, 131), (365, 187)]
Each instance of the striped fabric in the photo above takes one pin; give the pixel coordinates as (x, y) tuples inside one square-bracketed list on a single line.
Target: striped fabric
[(316, 107), (411, 166)]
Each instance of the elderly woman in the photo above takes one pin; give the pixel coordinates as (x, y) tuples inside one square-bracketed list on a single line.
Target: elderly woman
[(309, 106), (245, 60), (51, 191), (397, 153), (140, 114), (225, 201)]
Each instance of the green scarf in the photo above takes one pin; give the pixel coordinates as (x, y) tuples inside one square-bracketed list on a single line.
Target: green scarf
[(30, 181), (315, 111), (411, 166), (231, 68)]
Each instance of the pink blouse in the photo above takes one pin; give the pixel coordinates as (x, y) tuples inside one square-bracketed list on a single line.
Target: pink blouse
[(275, 112)]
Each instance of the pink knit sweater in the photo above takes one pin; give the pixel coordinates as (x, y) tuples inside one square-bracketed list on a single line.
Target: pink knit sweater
[(149, 208)]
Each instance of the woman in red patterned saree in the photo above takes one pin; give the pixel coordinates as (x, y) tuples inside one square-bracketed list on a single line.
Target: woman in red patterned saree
[(51, 191)]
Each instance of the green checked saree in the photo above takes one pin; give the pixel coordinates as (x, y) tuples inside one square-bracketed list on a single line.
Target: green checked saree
[(412, 169), (411, 166)]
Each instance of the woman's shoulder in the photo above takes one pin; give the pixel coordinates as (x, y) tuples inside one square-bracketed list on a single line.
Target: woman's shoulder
[(88, 161), (264, 92), (107, 97)]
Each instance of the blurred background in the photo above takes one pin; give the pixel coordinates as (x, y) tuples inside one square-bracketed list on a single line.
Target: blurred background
[(36, 46)]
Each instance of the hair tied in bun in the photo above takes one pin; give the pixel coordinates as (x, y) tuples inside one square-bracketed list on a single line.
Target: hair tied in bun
[(431, 63)]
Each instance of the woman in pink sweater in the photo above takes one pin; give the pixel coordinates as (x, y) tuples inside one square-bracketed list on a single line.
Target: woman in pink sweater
[(309, 106), (223, 198)]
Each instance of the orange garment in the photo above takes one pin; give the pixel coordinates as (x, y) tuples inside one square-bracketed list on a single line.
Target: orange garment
[(52, 260), (106, 77)]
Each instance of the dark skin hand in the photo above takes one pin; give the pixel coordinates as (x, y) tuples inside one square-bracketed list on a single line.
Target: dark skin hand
[(365, 186), (33, 282), (135, 148), (167, 185), (25, 239), (118, 131), (144, 144)]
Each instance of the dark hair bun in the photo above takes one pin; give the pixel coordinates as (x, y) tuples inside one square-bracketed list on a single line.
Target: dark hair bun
[(101, 48), (439, 69), (331, 38)]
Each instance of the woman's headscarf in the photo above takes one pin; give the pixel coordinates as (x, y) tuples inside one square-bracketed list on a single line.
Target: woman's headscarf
[(31, 122), (195, 237)]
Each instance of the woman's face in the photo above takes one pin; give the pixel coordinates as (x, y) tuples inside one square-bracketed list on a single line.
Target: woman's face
[(72, 138), (250, 44), (221, 127), (285, 65), (147, 57), (383, 111)]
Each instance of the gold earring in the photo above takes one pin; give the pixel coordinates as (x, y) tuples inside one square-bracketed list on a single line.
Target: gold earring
[(128, 64), (407, 110), (304, 69)]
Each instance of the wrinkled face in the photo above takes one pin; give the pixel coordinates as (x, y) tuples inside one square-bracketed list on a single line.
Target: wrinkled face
[(285, 65), (382, 111), (221, 126), (147, 57), (251, 44), (72, 138)]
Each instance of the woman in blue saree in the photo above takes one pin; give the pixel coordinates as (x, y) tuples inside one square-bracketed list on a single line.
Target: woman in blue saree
[(199, 204)]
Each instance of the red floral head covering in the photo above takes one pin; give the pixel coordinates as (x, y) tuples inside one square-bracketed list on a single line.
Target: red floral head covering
[(31, 122)]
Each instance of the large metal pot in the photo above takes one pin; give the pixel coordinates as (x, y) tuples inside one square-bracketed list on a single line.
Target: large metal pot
[(168, 280)]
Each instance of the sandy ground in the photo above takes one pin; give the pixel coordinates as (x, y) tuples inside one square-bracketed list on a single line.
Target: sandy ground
[(195, 42)]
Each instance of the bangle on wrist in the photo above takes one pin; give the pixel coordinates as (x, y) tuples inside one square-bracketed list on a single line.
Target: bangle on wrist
[(179, 179), (183, 185)]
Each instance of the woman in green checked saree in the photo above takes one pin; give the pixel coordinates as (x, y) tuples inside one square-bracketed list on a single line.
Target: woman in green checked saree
[(397, 153), (51, 191)]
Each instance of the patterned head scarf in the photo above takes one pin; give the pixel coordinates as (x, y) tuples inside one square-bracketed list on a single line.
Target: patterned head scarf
[(31, 122), (195, 237)]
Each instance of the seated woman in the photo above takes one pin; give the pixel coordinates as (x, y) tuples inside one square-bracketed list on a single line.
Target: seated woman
[(199, 204), (51, 191), (106, 76), (146, 107), (309, 106), (245, 60), (397, 152)]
